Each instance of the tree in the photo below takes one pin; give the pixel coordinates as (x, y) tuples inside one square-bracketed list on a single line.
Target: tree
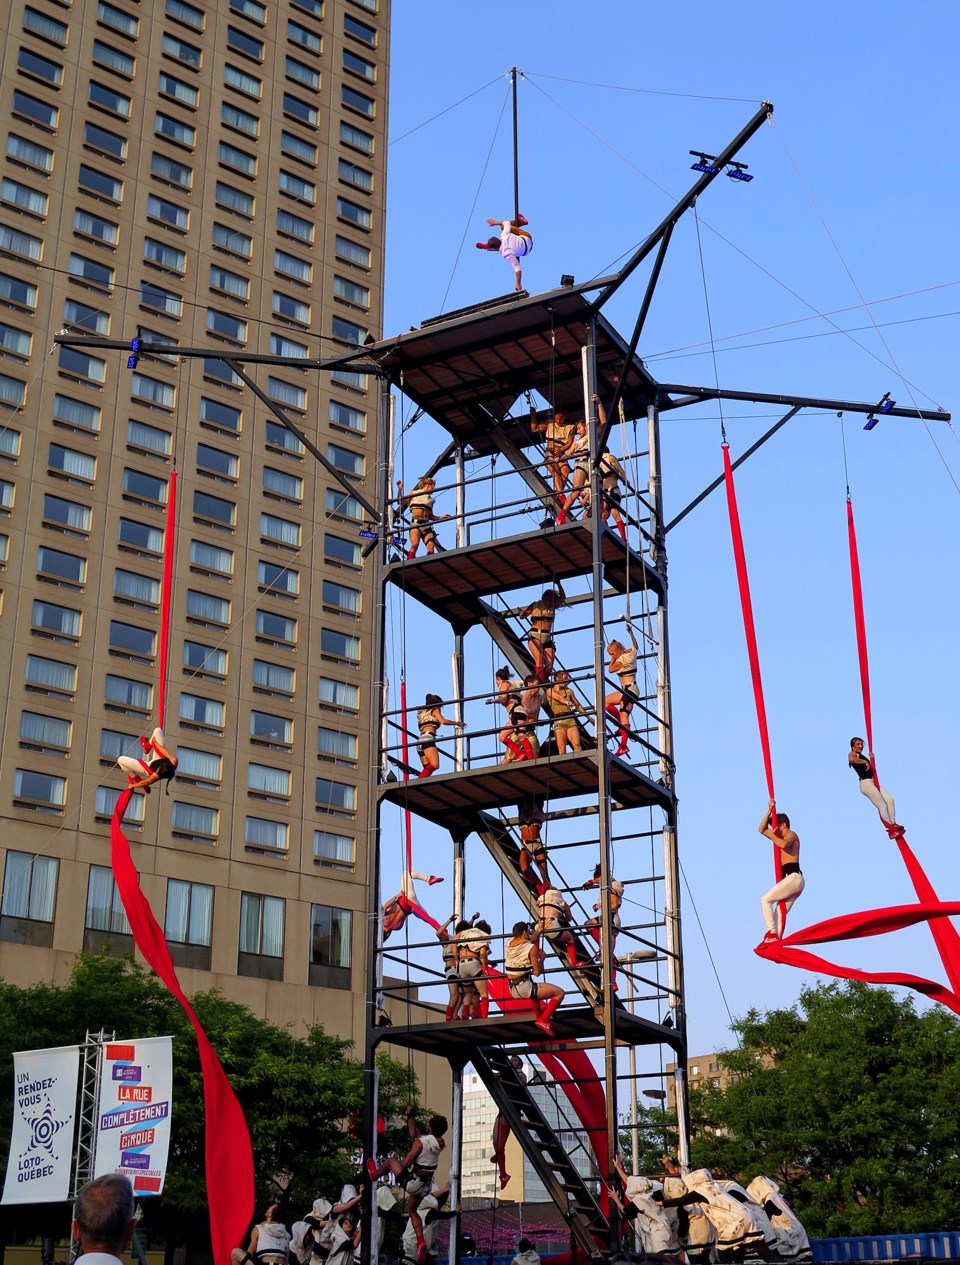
[(301, 1095), (850, 1102)]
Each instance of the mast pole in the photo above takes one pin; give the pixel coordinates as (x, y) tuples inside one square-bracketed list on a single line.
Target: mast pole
[(516, 160)]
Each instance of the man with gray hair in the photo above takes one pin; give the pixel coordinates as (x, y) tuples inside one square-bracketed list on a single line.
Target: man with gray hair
[(104, 1219)]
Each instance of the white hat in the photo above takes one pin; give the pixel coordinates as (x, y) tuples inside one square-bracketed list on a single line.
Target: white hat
[(321, 1208)]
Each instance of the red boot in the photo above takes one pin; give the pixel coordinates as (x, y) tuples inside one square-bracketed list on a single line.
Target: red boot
[(624, 741), (521, 220), (621, 529), (527, 747), (426, 771), (513, 751), (484, 1008), (561, 518), (373, 1171), (451, 1014), (147, 745), (572, 954), (546, 1010)]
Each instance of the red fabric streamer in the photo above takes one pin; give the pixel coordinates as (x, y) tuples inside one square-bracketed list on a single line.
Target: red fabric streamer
[(229, 1156), (167, 598)]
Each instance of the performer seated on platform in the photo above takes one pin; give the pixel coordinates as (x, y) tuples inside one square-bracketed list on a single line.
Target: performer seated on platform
[(405, 902), (513, 243), (778, 902), (881, 800), (501, 1130), (623, 663), (579, 453), (429, 720), (159, 766), (531, 817), (473, 955), (555, 917), (514, 735), (420, 502), (269, 1242), (564, 706), (542, 614), (522, 962), (416, 1171), (592, 926), (558, 433)]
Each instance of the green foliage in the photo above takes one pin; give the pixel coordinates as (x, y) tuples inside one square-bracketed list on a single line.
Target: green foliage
[(850, 1102), (302, 1096)]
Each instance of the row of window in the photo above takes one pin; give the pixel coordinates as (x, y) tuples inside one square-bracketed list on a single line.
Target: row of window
[(29, 903)]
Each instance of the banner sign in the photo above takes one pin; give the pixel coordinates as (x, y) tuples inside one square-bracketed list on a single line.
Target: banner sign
[(41, 1134), (133, 1124)]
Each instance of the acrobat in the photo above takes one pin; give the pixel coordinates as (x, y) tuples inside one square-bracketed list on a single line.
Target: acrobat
[(501, 1129), (396, 909), (592, 926), (623, 663), (542, 614), (513, 243), (881, 800), (416, 1171), (159, 766), (778, 902)]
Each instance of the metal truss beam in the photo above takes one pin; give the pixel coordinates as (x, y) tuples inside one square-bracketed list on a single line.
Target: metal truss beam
[(694, 395)]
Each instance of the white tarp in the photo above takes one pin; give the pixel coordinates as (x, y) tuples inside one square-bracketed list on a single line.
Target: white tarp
[(133, 1124), (41, 1136)]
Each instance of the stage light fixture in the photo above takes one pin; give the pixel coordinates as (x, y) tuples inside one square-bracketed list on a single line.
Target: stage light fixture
[(871, 422), (705, 163), (738, 171), (886, 404), (566, 279)]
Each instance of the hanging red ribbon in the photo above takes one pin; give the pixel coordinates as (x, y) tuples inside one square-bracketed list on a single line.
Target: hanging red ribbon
[(166, 599), (229, 1156)]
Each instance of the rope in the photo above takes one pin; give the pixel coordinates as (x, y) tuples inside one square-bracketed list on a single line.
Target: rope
[(706, 304), (166, 598)]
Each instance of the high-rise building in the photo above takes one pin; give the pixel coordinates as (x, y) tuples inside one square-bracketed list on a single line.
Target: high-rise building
[(206, 173)]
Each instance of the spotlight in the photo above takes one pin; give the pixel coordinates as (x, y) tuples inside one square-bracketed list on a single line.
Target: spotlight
[(886, 404), (367, 535), (705, 164), (871, 422), (566, 279), (135, 353), (738, 171), (132, 362)]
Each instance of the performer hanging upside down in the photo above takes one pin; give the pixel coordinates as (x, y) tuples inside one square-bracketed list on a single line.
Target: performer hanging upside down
[(429, 720), (501, 1130), (623, 663), (161, 766), (405, 902), (881, 800), (522, 961), (778, 902), (592, 927), (542, 614), (514, 735), (420, 503), (513, 243), (416, 1171), (531, 817)]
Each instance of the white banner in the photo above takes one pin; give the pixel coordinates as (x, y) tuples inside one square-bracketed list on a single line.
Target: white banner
[(133, 1124), (41, 1135)]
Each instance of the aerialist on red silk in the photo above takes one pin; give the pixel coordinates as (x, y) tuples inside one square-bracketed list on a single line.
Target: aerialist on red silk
[(778, 902), (881, 800), (160, 766), (405, 902)]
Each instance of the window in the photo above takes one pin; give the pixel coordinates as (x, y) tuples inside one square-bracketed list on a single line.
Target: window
[(62, 567), (229, 239), (188, 14), (21, 245), (201, 713), (214, 461), (279, 483), (15, 342), (268, 782), (140, 538), (46, 27), (349, 378), (220, 416), (33, 110), (261, 936), (105, 142), (340, 646), (104, 98), (351, 462), (240, 120), (50, 675), (9, 442), (338, 695), (350, 173), (131, 642), (29, 896), (291, 225), (244, 44), (313, 7), (347, 331), (302, 111), (359, 31), (80, 316), (302, 73), (353, 253), (111, 16), (290, 266), (346, 552), (280, 530), (91, 272), (226, 326), (341, 748), (293, 185), (157, 299), (171, 172), (291, 309), (243, 81), (351, 418), (104, 906), (28, 153), (229, 283), (234, 199), (152, 391), (188, 922), (199, 766), (101, 186), (79, 364), (204, 661), (210, 559), (168, 213), (358, 215), (138, 590), (113, 59), (302, 35), (271, 730), (194, 821), (164, 256), (353, 136), (336, 797), (86, 224), (8, 494), (281, 581), (330, 933), (359, 65), (343, 506), (175, 131), (38, 67), (105, 801), (68, 516), (275, 630), (339, 852), (251, 9), (76, 413), (204, 608), (125, 694), (272, 836), (340, 597), (17, 293), (50, 735), (351, 292), (43, 792), (278, 436), (181, 51), (75, 467), (149, 438), (273, 677), (354, 100), (295, 147), (286, 393), (214, 509)]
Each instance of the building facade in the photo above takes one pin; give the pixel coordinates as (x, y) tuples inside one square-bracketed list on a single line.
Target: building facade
[(205, 173)]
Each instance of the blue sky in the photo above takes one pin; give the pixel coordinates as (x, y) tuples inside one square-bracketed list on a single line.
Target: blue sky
[(854, 198)]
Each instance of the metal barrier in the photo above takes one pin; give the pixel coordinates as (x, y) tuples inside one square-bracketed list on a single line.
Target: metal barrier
[(943, 1246)]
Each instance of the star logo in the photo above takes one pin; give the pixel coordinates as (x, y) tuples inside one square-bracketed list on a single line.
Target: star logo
[(44, 1127)]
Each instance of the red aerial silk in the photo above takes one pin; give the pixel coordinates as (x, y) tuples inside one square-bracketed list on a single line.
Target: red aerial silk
[(166, 599), (229, 1156)]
